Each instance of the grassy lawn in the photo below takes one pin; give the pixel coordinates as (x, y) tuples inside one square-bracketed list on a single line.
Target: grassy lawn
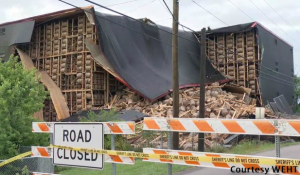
[(148, 168)]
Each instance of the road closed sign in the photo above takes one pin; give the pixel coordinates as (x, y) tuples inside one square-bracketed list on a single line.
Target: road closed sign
[(80, 135)]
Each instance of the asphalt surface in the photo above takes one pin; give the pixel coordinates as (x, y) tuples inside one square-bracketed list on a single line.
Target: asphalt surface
[(285, 152)]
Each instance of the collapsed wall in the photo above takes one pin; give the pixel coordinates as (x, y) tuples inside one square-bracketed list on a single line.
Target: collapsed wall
[(254, 57), (236, 55), (58, 48)]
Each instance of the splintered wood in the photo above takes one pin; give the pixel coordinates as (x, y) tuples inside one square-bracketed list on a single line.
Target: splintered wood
[(218, 104)]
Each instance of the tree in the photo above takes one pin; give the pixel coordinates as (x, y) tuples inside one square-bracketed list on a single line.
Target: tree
[(21, 95), (108, 116), (297, 94)]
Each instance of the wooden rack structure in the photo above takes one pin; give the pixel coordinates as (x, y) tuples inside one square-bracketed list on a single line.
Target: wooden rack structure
[(236, 55), (58, 47)]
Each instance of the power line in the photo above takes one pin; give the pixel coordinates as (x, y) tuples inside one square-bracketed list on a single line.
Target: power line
[(170, 11), (217, 43), (163, 19), (277, 81), (253, 20), (232, 52), (130, 28), (210, 13), (280, 16), (274, 77), (143, 22), (122, 3), (241, 10), (140, 6), (138, 31), (272, 20), (185, 38)]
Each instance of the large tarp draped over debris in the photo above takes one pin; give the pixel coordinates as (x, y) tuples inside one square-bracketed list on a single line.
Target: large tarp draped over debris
[(142, 55), (276, 67)]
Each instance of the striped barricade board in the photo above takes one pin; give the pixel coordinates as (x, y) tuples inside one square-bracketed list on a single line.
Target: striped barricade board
[(46, 152), (276, 127), (109, 127), (36, 173), (226, 161)]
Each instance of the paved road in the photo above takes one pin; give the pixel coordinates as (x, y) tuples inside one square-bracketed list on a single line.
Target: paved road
[(286, 152)]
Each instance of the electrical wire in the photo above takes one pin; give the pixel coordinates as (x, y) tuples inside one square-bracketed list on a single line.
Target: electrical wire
[(163, 20), (232, 52), (277, 81), (170, 11), (122, 3), (280, 16), (119, 3), (131, 29), (190, 30), (139, 6), (254, 20), (135, 30), (210, 13), (272, 21), (144, 22), (241, 10)]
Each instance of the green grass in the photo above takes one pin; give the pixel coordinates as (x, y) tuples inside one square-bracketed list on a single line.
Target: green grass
[(139, 168), (149, 168)]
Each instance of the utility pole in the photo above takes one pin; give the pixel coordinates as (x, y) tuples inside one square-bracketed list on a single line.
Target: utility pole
[(202, 86), (175, 70)]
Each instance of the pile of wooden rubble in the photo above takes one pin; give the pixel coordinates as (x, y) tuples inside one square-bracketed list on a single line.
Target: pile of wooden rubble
[(218, 104)]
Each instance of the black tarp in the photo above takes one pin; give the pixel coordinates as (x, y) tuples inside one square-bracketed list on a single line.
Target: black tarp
[(145, 63), (276, 68), (14, 34)]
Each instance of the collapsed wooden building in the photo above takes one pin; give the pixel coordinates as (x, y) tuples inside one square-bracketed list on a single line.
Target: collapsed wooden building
[(74, 71)]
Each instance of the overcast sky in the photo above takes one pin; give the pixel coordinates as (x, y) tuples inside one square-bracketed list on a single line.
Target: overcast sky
[(190, 14)]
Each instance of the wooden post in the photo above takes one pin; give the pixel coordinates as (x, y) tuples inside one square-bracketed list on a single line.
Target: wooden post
[(175, 71), (202, 87)]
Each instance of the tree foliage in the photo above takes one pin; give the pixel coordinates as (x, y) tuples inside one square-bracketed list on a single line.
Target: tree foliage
[(297, 94), (108, 116), (21, 95)]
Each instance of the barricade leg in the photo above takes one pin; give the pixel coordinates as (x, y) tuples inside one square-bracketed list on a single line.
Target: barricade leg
[(113, 148), (277, 146), (161, 140), (170, 143), (51, 166)]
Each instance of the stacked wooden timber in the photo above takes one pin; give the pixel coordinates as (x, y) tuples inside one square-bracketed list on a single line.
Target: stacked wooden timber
[(218, 104)]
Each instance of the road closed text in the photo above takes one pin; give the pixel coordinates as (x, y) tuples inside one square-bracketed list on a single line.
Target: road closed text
[(78, 135), (71, 154)]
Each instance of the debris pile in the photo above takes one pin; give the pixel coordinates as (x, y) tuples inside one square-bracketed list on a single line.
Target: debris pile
[(218, 104)]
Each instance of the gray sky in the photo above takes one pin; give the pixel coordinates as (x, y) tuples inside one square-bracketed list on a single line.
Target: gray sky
[(191, 14)]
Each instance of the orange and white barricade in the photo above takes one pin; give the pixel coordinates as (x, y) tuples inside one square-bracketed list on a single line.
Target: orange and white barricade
[(280, 127), (238, 161), (46, 152), (116, 128), (276, 127), (35, 173), (109, 127)]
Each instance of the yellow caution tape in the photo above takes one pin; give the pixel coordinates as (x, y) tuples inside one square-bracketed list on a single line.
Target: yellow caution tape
[(15, 158), (211, 159)]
